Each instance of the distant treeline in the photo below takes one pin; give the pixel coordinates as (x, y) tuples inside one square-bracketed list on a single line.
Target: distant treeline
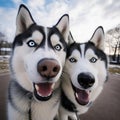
[(114, 59), (5, 48)]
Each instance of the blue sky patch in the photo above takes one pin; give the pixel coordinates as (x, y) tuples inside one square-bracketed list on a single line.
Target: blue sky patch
[(6, 3)]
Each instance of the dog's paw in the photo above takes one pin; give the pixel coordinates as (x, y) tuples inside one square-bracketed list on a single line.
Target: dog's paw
[(74, 117)]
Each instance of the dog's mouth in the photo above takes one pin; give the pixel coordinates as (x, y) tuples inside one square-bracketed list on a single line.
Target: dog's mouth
[(82, 96), (43, 91)]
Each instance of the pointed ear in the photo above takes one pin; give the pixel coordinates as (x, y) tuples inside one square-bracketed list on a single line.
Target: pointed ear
[(63, 26), (98, 38), (70, 38), (24, 19)]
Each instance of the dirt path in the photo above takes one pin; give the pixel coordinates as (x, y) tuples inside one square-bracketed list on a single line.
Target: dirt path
[(106, 107), (3, 94)]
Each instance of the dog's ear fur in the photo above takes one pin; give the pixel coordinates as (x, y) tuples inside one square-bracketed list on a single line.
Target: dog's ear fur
[(23, 20), (63, 26), (70, 39), (98, 38)]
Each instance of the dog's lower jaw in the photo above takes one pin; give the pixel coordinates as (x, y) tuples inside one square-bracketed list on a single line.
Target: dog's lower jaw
[(43, 91)]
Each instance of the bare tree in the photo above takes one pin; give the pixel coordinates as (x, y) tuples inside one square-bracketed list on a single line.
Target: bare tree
[(4, 45), (114, 42)]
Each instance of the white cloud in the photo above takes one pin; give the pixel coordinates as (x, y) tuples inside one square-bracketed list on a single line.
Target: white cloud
[(7, 22), (16, 1), (85, 16), (48, 14), (35, 3)]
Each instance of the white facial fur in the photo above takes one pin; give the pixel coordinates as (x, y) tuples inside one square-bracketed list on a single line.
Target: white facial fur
[(25, 60), (83, 65)]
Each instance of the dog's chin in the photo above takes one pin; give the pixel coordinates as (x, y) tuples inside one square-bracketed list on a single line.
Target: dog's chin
[(43, 91), (81, 96)]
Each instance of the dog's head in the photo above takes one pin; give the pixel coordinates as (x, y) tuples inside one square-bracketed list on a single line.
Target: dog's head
[(39, 53), (86, 65)]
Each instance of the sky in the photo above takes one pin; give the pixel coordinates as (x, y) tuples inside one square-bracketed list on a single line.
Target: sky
[(85, 15)]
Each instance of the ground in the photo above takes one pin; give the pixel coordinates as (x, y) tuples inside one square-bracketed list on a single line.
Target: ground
[(106, 107)]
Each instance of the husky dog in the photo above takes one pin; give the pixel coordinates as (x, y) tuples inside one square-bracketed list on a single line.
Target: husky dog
[(84, 75), (37, 61)]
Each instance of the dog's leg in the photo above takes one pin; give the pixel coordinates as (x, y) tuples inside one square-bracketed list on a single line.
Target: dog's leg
[(63, 115), (73, 117)]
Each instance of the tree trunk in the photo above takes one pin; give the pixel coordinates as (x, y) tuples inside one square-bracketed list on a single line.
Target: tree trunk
[(114, 56), (118, 56)]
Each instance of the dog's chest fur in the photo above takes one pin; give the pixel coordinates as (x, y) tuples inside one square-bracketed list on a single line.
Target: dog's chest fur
[(23, 101)]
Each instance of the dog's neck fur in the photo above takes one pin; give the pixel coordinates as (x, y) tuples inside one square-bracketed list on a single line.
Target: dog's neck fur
[(29, 102), (66, 103), (21, 94)]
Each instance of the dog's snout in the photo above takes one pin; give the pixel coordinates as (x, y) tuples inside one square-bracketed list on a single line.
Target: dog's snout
[(86, 80), (48, 68)]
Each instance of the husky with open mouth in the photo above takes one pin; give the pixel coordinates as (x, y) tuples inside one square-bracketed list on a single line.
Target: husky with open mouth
[(84, 75), (37, 62)]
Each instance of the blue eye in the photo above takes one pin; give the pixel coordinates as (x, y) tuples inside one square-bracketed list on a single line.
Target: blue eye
[(31, 43), (58, 47), (93, 60), (72, 60)]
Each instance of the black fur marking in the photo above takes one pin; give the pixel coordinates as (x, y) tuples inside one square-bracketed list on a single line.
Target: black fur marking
[(14, 87), (72, 47), (30, 114), (41, 30), (61, 18), (19, 39), (107, 78), (22, 5), (89, 104), (101, 55), (56, 118), (67, 104), (100, 27), (53, 31)]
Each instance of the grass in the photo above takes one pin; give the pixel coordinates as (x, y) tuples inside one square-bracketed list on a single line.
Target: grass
[(4, 66), (114, 70)]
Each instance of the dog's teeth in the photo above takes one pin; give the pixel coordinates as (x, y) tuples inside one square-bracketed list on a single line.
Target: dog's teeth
[(37, 88), (42, 95), (76, 95), (52, 86), (49, 94), (39, 94)]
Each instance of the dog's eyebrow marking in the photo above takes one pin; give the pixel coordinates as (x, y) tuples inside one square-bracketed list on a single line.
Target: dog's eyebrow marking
[(54, 39), (37, 36)]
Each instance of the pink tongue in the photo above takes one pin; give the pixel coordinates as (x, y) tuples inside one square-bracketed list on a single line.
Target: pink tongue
[(82, 96), (45, 89)]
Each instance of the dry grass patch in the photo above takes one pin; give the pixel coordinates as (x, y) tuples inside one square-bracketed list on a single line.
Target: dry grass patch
[(4, 66), (114, 70)]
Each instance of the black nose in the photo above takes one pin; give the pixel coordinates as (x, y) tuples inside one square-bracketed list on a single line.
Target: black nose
[(48, 68), (86, 80)]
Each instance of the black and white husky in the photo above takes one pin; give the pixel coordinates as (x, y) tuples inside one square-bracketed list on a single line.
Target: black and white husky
[(36, 65), (84, 75)]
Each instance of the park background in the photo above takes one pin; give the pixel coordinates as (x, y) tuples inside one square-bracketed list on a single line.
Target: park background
[(85, 17)]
